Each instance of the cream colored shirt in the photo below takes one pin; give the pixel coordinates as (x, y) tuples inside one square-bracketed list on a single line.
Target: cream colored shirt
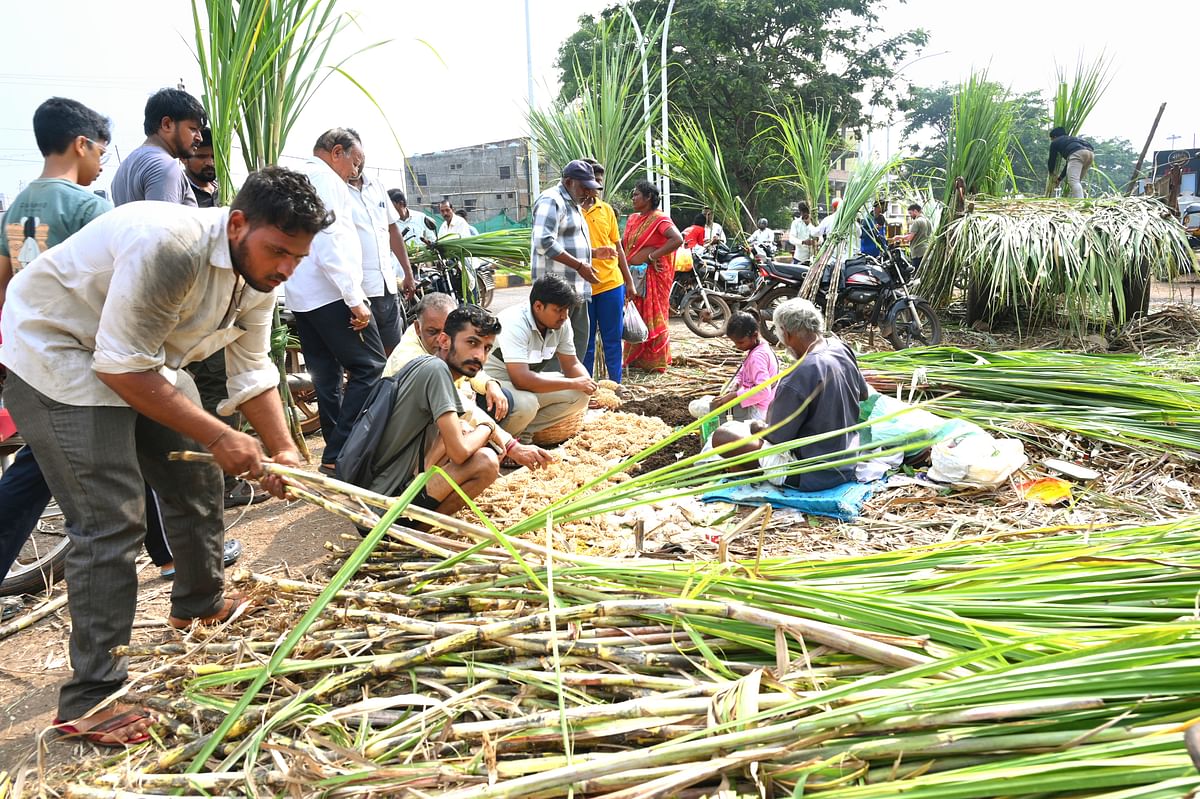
[(149, 286)]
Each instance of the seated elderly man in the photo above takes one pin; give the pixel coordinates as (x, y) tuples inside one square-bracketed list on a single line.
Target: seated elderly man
[(421, 338), (822, 394), (532, 338)]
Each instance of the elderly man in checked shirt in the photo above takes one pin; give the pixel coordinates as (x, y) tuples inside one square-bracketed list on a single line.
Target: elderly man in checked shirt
[(561, 244)]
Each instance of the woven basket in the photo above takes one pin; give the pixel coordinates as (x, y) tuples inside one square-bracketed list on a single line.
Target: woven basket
[(560, 431)]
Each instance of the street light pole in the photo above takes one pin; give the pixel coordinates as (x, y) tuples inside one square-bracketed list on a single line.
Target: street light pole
[(645, 92), (535, 187), (666, 179)]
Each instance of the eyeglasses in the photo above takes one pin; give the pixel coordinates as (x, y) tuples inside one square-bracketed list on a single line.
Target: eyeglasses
[(103, 150)]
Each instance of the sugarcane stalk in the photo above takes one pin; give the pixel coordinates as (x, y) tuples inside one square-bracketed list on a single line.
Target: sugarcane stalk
[(27, 620)]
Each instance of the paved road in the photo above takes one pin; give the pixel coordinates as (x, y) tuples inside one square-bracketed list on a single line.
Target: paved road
[(505, 298)]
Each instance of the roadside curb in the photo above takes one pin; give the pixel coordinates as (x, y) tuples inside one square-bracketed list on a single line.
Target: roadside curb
[(506, 280)]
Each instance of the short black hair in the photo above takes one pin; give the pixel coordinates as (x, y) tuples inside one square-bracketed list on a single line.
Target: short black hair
[(461, 212), (649, 191), (914, 207), (175, 104), (59, 121), (347, 137), (205, 137), (445, 202), (282, 198), (742, 324), (553, 290), (1056, 132), (699, 220), (802, 207), (470, 314), (397, 196)]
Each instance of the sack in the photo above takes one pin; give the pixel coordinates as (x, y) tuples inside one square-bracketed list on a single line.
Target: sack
[(355, 460), (971, 457), (634, 330), (638, 273)]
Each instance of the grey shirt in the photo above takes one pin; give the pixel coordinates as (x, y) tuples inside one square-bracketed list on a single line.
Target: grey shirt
[(423, 393), (829, 375), (151, 173), (919, 228)]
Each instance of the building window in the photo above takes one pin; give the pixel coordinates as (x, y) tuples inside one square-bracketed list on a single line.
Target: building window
[(468, 203), (422, 179), (506, 173), (499, 197)]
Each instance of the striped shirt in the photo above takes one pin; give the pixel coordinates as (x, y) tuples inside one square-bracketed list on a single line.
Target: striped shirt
[(558, 227)]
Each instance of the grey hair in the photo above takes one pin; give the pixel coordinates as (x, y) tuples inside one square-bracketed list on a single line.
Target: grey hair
[(435, 301), (798, 315), (347, 137)]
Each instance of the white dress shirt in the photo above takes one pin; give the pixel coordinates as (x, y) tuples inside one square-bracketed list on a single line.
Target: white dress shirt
[(147, 287), (798, 233), (457, 226), (766, 236), (332, 271), (374, 214), (714, 233)]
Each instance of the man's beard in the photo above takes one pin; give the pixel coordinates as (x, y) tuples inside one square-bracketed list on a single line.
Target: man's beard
[(240, 255), (468, 368), (208, 174)]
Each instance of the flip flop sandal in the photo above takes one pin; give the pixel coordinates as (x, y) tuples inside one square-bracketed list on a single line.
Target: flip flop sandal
[(231, 604), (95, 735)]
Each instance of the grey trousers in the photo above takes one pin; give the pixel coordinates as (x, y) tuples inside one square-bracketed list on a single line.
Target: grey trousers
[(1077, 168), (95, 459), (580, 325)]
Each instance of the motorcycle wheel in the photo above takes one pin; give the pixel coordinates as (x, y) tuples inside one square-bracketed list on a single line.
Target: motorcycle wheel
[(912, 323), (705, 319), (766, 312), (42, 559)]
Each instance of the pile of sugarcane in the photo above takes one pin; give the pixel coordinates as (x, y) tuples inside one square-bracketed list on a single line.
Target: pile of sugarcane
[(1045, 256), (460, 662), (1136, 402)]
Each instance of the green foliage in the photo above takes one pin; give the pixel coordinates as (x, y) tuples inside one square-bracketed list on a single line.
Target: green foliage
[(805, 143), (1074, 100), (605, 120), (1115, 159), (730, 59), (930, 113), (1043, 256), (979, 140), (261, 61), (695, 162)]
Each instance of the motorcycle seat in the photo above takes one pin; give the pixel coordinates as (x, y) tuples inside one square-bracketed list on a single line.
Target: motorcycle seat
[(788, 271)]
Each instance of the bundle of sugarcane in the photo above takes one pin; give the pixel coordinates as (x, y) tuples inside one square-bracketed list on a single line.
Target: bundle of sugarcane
[(1041, 255), (507, 249), (1129, 401), (972, 669)]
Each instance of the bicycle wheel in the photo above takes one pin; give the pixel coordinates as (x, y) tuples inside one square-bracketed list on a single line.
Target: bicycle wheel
[(42, 560)]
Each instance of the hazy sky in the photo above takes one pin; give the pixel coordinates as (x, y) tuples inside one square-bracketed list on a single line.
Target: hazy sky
[(112, 56)]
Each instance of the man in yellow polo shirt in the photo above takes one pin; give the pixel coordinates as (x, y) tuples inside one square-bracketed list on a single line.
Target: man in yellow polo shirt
[(614, 283)]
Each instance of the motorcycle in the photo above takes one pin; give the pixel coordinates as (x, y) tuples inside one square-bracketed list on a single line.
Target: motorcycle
[(872, 291), (724, 280), (466, 282)]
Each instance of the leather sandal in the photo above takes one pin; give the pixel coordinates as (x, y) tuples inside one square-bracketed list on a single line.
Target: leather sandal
[(229, 606)]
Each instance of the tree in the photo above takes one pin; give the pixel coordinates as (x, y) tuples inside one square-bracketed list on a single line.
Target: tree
[(1114, 164), (928, 118), (731, 59)]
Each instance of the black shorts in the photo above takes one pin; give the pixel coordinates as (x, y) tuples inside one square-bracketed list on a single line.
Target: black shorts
[(421, 500)]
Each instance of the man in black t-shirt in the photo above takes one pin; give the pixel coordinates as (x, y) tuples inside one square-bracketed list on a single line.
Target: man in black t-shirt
[(1077, 156)]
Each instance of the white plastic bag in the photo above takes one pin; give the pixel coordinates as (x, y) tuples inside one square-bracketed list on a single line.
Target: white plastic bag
[(634, 330), (974, 458)]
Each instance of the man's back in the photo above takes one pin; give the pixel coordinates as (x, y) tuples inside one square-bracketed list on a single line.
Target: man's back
[(151, 173)]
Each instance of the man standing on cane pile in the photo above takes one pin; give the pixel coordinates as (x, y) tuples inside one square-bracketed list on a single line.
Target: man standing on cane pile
[(96, 333)]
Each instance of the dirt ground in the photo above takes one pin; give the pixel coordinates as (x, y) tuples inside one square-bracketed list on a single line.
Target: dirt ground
[(34, 661)]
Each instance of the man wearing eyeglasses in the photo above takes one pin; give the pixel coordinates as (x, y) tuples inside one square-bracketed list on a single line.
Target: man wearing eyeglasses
[(172, 121)]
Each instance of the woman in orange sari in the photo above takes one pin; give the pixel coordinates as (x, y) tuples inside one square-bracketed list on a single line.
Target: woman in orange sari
[(651, 239)]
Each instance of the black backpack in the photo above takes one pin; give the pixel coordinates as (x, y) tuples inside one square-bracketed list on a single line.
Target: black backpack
[(355, 460)]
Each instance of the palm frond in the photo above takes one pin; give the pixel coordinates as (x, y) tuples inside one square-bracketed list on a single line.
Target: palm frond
[(694, 161), (805, 143)]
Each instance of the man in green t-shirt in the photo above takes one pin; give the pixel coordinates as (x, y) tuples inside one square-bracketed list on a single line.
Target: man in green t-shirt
[(917, 237)]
